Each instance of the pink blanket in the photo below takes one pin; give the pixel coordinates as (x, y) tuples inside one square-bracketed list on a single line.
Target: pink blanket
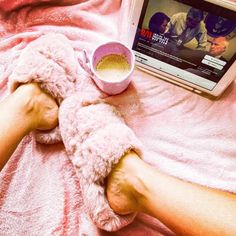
[(185, 135)]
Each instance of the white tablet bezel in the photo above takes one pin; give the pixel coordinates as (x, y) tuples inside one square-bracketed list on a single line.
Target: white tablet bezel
[(226, 80)]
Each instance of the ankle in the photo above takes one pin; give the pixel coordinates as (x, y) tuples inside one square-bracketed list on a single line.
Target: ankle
[(125, 190), (38, 107), (135, 169), (28, 97)]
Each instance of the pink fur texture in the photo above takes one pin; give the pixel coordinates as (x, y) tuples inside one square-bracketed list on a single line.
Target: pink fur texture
[(51, 62), (94, 134), (96, 137), (7, 5)]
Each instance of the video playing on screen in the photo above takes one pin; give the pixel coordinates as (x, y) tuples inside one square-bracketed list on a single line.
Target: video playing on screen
[(193, 44)]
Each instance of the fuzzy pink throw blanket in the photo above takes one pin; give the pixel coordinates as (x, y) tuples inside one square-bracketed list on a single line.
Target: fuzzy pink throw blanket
[(185, 135)]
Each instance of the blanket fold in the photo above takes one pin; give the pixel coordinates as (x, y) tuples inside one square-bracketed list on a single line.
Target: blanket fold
[(7, 5)]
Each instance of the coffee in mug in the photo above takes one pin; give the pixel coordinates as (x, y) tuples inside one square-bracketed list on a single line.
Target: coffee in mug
[(112, 65)]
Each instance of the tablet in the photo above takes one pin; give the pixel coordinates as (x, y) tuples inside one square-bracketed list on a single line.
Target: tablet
[(188, 43)]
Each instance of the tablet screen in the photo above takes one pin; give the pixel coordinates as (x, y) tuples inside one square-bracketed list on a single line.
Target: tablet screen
[(196, 43)]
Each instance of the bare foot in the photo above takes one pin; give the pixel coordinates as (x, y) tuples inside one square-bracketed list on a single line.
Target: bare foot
[(123, 186), (37, 104)]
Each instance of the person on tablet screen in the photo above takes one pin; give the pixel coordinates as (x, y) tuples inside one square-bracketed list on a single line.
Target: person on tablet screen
[(218, 47), (183, 27), (158, 23)]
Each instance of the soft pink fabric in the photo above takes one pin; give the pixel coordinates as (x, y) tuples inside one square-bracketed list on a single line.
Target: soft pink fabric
[(7, 5), (185, 135)]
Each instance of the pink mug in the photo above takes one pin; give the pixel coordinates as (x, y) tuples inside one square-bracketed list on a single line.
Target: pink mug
[(111, 87)]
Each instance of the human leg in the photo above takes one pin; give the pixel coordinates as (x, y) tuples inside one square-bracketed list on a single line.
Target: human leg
[(186, 208), (26, 109)]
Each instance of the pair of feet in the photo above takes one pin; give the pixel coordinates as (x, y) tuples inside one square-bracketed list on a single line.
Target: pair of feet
[(123, 186)]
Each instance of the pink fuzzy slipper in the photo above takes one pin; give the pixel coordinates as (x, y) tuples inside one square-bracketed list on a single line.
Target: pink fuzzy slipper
[(51, 62), (96, 137)]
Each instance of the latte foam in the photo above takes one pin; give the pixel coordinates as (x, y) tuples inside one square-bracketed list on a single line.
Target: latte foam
[(113, 67)]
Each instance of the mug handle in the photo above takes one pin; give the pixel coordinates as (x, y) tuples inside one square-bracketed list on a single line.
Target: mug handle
[(85, 63)]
